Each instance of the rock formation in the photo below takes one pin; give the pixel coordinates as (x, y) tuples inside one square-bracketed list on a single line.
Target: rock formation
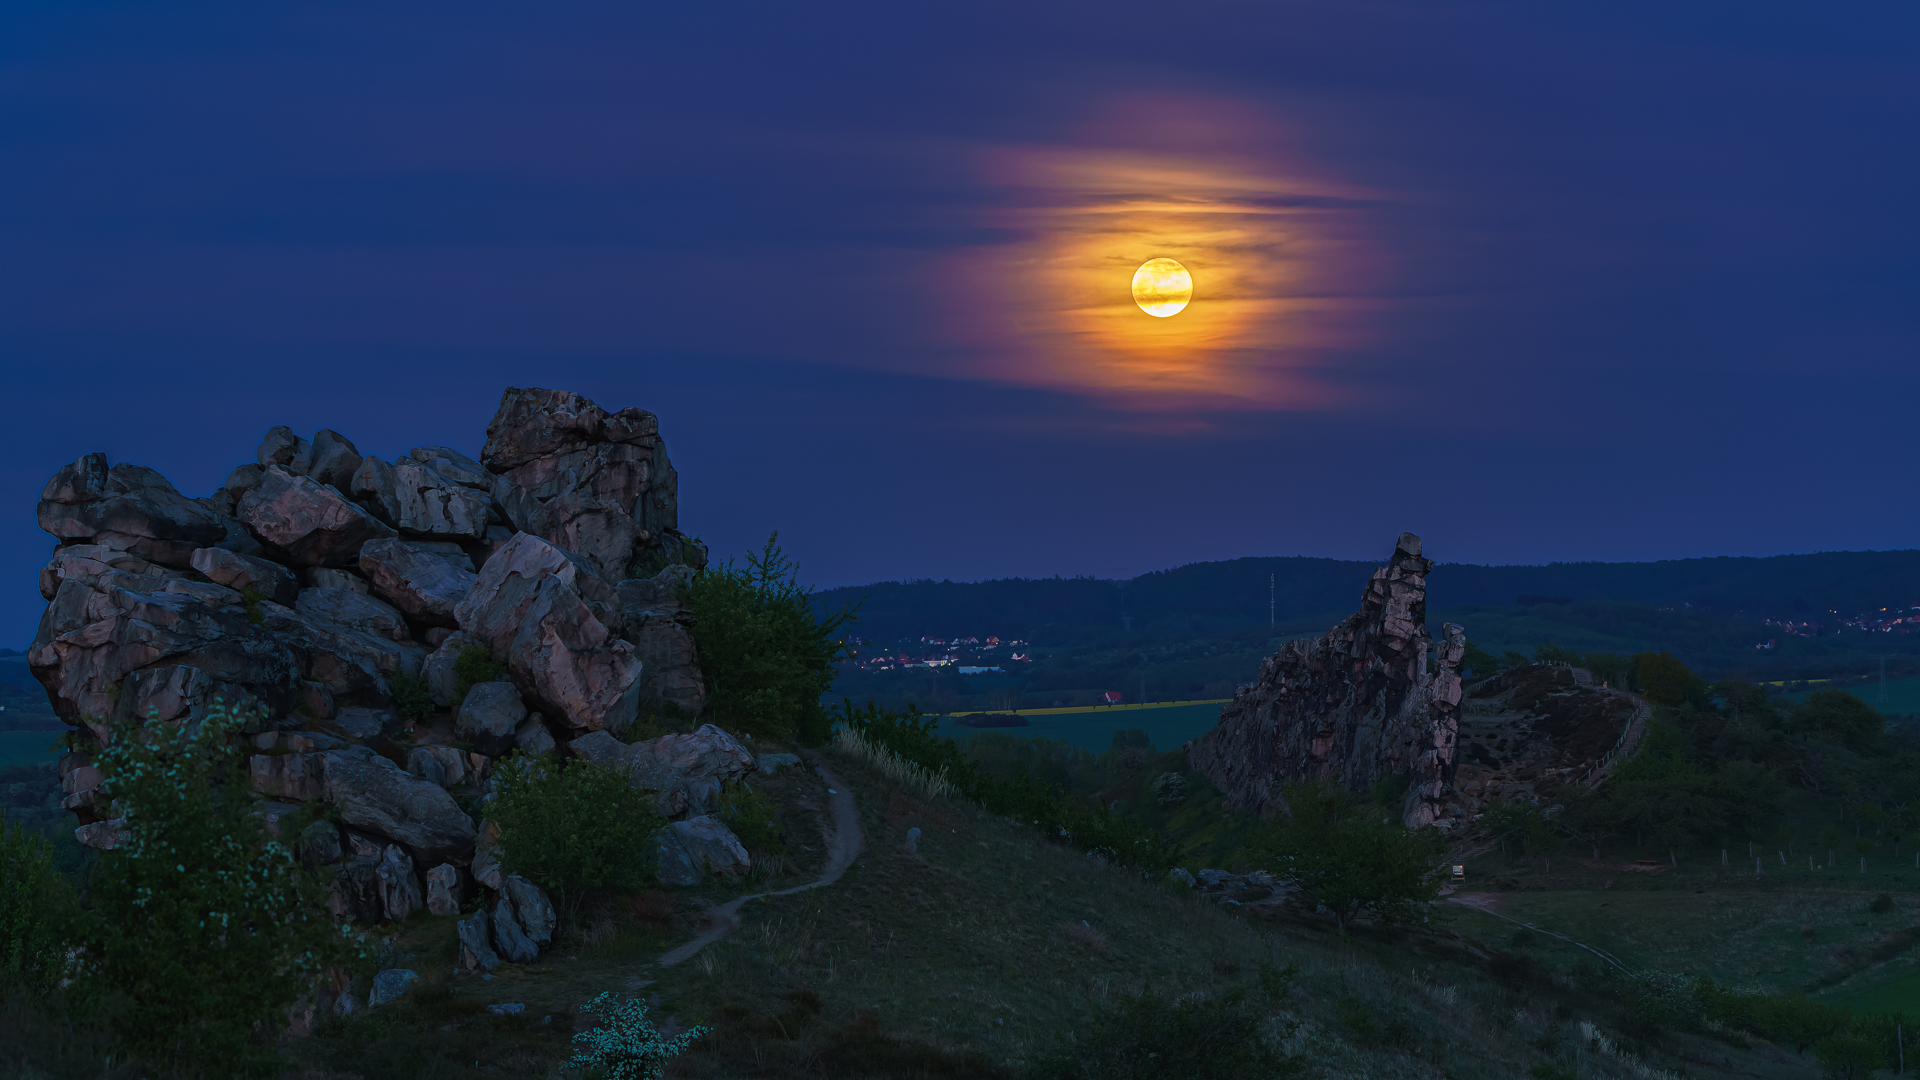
[(1353, 706), (318, 585)]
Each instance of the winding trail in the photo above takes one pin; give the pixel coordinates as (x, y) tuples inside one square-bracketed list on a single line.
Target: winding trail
[(845, 838)]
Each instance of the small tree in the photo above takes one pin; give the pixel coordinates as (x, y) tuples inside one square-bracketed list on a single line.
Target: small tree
[(205, 928), (626, 1044), (572, 827), (765, 651), (1351, 858), (37, 912)]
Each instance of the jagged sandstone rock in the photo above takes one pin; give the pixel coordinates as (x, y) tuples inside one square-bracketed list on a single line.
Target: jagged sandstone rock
[(443, 890), (489, 716), (243, 572), (690, 851), (128, 508), (687, 771), (658, 623), (372, 793), (312, 525), (545, 613), (421, 581), (1352, 706)]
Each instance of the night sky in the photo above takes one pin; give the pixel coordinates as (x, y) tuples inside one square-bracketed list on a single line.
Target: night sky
[(1537, 281)]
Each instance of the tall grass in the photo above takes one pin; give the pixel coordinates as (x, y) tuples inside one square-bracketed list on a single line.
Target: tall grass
[(934, 785)]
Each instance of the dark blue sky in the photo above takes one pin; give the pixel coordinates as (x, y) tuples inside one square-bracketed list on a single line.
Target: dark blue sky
[(1541, 282)]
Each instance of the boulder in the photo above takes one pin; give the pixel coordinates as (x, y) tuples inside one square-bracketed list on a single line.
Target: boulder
[(334, 460), (102, 835), (286, 776), (486, 859), (476, 948), (399, 885), (442, 765), (351, 664), (418, 580), (243, 572), (434, 505), (239, 482), (489, 716), (282, 449), (354, 894), (532, 737), (532, 908), (772, 764), (127, 508), (364, 724), (375, 487), (437, 669), (320, 577), (699, 763), (358, 611), (509, 940), (443, 890), (389, 985), (311, 524), (1353, 706), (690, 851), (546, 615), (371, 793), (454, 465), (656, 620), (319, 844)]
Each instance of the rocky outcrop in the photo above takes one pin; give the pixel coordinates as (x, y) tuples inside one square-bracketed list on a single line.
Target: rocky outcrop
[(1353, 706), (687, 772), (317, 584)]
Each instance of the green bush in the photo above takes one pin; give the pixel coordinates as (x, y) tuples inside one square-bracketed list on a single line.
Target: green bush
[(571, 827), (204, 928), (1351, 857), (37, 910), (474, 665), (1146, 1036), (411, 698), (765, 651), (750, 815)]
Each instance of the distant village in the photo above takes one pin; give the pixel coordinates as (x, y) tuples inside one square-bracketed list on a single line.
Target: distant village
[(966, 656)]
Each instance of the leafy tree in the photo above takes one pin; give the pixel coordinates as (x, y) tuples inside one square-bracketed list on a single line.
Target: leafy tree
[(204, 928), (1838, 716), (37, 911), (765, 651), (1855, 1049), (571, 827), (1351, 858), (1666, 681)]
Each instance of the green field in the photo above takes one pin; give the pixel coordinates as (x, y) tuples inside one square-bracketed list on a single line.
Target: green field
[(26, 747), (1092, 729)]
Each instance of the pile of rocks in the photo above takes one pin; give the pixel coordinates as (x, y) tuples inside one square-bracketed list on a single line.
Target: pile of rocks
[(318, 585), (1354, 705)]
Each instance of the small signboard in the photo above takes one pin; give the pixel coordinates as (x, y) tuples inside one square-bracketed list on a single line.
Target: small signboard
[(1459, 872)]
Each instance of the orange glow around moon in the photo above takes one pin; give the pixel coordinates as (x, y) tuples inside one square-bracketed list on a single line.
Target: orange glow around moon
[(1282, 258), (1162, 288)]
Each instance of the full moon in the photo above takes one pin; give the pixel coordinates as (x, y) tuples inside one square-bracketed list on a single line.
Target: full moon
[(1162, 288)]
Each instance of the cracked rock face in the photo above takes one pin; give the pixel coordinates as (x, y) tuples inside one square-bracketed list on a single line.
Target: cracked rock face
[(1353, 706), (333, 591)]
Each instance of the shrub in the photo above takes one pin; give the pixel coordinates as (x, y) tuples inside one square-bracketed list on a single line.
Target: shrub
[(411, 698), (750, 815), (765, 651), (474, 665), (1145, 1036), (204, 928), (626, 1045), (36, 913), (1881, 904), (1350, 858), (572, 827)]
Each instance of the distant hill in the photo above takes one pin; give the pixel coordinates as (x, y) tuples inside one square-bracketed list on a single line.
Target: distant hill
[(1218, 597)]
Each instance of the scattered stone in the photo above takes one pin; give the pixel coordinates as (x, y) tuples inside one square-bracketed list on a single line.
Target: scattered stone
[(443, 890), (476, 953), (514, 1009), (489, 716), (772, 764), (1181, 875), (389, 985), (913, 840)]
